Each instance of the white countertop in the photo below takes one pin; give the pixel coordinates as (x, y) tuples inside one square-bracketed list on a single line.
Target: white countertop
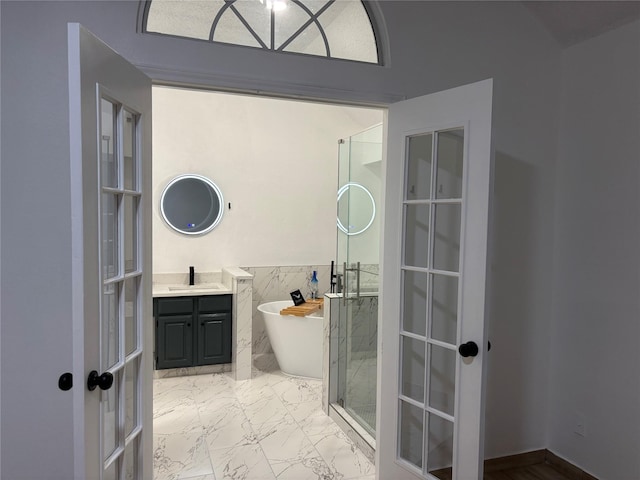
[(181, 290), (217, 282)]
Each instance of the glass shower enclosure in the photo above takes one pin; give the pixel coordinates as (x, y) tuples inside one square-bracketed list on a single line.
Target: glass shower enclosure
[(358, 252)]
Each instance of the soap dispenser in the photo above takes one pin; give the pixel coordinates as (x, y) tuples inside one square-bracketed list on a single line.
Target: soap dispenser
[(314, 285)]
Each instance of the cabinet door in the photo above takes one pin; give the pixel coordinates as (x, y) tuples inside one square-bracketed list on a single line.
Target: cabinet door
[(214, 338), (174, 347)]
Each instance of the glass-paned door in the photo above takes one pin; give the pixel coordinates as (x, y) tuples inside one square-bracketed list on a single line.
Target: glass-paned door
[(110, 161), (432, 368), (433, 200), (121, 299)]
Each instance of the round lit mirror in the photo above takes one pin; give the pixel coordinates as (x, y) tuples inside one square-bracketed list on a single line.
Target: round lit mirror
[(356, 208), (192, 204)]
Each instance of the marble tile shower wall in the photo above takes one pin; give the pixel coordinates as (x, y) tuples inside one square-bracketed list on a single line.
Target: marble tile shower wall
[(271, 284), (363, 327), (359, 338)]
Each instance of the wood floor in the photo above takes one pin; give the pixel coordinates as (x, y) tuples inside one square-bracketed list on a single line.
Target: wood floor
[(541, 471), (536, 465)]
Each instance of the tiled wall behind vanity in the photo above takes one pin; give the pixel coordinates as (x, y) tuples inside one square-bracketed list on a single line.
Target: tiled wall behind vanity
[(275, 283)]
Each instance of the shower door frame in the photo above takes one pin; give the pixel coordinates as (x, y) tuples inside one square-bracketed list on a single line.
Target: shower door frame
[(369, 141)]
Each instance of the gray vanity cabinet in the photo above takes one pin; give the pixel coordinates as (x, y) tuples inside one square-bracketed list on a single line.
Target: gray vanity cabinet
[(174, 341), (192, 331)]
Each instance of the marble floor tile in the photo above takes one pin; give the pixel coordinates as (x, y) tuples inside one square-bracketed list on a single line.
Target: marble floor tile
[(343, 456), (181, 419), (172, 398), (227, 428), (312, 467), (266, 409), (292, 390), (290, 453), (199, 477), (180, 455), (210, 427), (318, 425), (241, 463), (303, 411)]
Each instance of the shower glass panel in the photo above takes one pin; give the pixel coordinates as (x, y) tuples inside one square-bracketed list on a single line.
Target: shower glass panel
[(359, 170)]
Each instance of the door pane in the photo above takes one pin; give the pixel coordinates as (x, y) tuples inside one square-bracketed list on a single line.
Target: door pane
[(131, 396), (130, 150), (120, 300), (442, 378), (418, 182), (444, 308), (254, 14), (440, 443), (111, 473), (110, 261), (414, 312), (130, 233), (295, 18), (110, 326), (416, 240), (446, 250), (130, 315), (109, 407), (304, 43), (450, 158), (231, 30), (413, 367), (411, 433), (108, 161), (131, 460)]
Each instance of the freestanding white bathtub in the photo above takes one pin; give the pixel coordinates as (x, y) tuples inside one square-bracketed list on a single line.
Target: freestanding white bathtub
[(296, 341)]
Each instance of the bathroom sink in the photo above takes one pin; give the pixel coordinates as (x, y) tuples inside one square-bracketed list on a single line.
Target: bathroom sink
[(196, 288)]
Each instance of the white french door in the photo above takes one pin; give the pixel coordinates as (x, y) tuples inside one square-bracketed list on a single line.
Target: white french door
[(110, 124), (432, 343)]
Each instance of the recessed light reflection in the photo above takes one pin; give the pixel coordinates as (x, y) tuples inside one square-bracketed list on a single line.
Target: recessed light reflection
[(275, 5)]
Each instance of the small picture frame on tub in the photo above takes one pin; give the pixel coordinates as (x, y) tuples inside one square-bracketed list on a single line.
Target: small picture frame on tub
[(297, 297)]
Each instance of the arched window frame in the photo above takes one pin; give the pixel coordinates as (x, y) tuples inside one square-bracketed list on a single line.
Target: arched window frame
[(370, 7)]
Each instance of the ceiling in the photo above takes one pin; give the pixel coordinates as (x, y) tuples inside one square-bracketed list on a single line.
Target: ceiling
[(571, 22)]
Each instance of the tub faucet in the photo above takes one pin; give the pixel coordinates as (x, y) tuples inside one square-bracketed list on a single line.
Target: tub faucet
[(192, 276), (332, 278)]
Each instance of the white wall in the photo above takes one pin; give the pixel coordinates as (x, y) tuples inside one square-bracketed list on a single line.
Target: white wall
[(37, 417), (596, 306), (433, 46), (275, 161)]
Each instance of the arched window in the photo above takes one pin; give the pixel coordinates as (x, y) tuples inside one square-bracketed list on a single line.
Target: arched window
[(328, 28)]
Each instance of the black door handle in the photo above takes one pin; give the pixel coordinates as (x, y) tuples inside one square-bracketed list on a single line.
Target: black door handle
[(103, 381), (469, 349)]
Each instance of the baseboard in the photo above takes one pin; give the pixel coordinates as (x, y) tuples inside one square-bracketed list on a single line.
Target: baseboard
[(525, 460)]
